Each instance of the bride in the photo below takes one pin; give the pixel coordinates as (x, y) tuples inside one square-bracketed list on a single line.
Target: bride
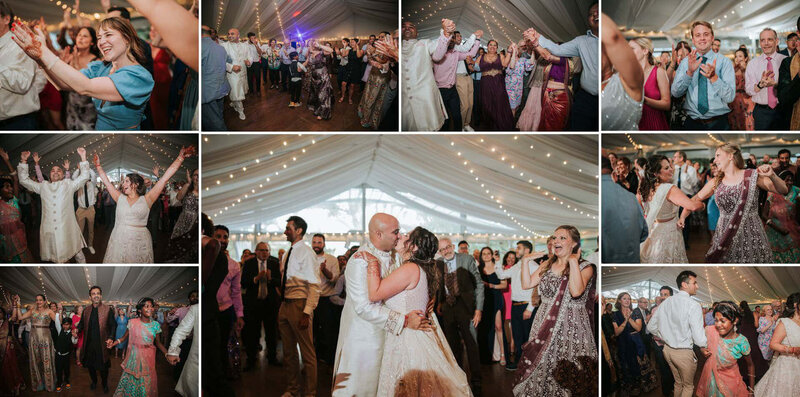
[(415, 362), (130, 241), (660, 200)]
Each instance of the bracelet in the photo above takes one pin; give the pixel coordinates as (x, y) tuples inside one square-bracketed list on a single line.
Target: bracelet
[(13, 173)]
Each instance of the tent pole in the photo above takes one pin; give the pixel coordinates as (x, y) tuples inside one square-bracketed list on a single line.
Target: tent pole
[(650, 289), (363, 207)]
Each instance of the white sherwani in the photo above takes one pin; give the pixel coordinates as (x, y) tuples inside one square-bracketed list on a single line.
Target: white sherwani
[(187, 384), (423, 108), (60, 237), (238, 53), (363, 328)]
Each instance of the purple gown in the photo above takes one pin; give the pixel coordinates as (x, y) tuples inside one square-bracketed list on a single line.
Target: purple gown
[(494, 98)]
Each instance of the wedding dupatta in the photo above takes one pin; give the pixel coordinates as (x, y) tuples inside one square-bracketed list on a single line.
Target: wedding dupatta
[(718, 253), (720, 375)]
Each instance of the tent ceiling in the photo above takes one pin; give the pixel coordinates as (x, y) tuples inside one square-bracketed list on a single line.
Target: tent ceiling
[(688, 141), (730, 17), (53, 13), (317, 18), (169, 284), (717, 283), (502, 20), (137, 152), (426, 166)]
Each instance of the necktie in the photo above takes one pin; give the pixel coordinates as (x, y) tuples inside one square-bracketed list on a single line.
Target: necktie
[(772, 100), (679, 176), (262, 284), (86, 195), (702, 92), (285, 272)]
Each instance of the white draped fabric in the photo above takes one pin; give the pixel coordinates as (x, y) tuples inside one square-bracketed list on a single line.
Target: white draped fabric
[(311, 19), (423, 166), (54, 14), (502, 20), (734, 283), (730, 17), (620, 144), (124, 284)]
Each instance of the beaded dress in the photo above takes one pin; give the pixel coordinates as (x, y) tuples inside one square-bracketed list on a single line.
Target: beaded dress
[(620, 111)]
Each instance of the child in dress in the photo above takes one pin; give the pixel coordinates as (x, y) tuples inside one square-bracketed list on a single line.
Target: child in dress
[(720, 375)]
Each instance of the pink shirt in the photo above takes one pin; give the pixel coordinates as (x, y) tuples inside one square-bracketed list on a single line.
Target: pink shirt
[(444, 71), (752, 76), (230, 291)]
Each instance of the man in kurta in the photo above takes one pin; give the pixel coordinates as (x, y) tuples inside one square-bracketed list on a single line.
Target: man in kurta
[(60, 237), (237, 70), (99, 327), (364, 324), (423, 108)]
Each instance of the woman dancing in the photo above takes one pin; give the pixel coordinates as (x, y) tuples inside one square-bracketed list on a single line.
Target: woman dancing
[(81, 113), (11, 381), (741, 116), (490, 332), (41, 352), (561, 336), (130, 241), (119, 85), (13, 243), (656, 87), (371, 104), (740, 236), (781, 379), (415, 362), (139, 369), (720, 376), (661, 200), (122, 325), (183, 242), (782, 213), (623, 92), (496, 108), (320, 97)]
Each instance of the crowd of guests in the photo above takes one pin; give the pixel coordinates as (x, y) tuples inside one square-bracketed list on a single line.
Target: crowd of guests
[(487, 312), (696, 87), (320, 72), (55, 80), (174, 211), (652, 204), (454, 83), (738, 351), (48, 337)]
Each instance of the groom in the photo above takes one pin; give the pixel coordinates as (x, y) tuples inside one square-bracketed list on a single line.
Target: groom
[(98, 327), (59, 235), (364, 324)]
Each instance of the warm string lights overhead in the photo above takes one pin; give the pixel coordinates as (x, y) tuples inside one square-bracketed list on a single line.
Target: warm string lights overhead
[(88, 277), (280, 20), (630, 139), (165, 141), (748, 284), (189, 286), (258, 21), (501, 15), (41, 281), (74, 11), (708, 283), (102, 142), (429, 10), (725, 283), (351, 236), (220, 14), (486, 21), (503, 157), (717, 141)]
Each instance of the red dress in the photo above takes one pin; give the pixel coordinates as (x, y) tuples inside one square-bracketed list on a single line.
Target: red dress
[(50, 98), (652, 119), (741, 116), (159, 100)]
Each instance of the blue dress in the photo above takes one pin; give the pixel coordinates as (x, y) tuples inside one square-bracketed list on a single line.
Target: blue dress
[(713, 213), (134, 84), (122, 326)]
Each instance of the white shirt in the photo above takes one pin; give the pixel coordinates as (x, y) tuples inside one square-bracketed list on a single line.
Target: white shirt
[(514, 273), (252, 53), (265, 50), (688, 177), (302, 267), (752, 76), (20, 80), (465, 46), (328, 287), (91, 188), (679, 322)]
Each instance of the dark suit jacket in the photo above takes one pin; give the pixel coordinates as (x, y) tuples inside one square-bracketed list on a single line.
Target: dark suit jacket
[(108, 328), (250, 289), (469, 283)]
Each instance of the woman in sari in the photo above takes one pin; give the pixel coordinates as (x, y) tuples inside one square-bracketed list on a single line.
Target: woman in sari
[(637, 374), (740, 236), (41, 352), (11, 381), (13, 242), (782, 213), (741, 116), (720, 376), (139, 369), (371, 105), (561, 355)]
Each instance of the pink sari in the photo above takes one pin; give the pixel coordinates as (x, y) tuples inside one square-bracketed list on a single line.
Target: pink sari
[(720, 375), (139, 369)]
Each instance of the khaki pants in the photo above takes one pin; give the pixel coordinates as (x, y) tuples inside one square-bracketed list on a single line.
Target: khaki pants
[(86, 214), (683, 364), (464, 88), (289, 316)]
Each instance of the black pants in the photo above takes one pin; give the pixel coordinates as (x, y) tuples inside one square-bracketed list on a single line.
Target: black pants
[(476, 102), (186, 346), (263, 314), (720, 124), (62, 369), (667, 381), (264, 70), (520, 328), (254, 77), (225, 319), (212, 383), (274, 77), (453, 105), (103, 376), (326, 332), (583, 116), (21, 122), (284, 77), (765, 118), (456, 328), (294, 90)]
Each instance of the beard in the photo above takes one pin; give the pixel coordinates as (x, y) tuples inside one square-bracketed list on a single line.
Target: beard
[(317, 250)]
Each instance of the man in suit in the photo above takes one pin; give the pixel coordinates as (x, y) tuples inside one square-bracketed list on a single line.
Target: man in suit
[(99, 328), (460, 304), (261, 280)]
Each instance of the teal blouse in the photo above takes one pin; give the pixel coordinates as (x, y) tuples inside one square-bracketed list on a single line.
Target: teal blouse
[(134, 84)]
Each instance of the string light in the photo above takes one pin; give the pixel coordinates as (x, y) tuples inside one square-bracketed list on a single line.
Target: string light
[(102, 143), (483, 14), (630, 139), (41, 281), (220, 13), (258, 20), (708, 283), (748, 284), (717, 141), (725, 282), (280, 20)]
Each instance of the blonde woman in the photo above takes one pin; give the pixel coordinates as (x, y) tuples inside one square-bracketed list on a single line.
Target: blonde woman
[(656, 87)]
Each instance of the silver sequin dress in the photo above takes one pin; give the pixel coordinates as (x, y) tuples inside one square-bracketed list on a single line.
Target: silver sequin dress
[(619, 110), (749, 245), (571, 339)]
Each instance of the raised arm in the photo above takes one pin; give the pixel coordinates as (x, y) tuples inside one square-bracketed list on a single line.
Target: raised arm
[(510, 60), (770, 182), (84, 175), (176, 25), (527, 279), (185, 189), (621, 56), (36, 168), (22, 172), (153, 194), (11, 170), (112, 190)]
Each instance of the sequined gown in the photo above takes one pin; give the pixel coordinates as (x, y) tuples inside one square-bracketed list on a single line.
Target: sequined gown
[(42, 353), (495, 105), (619, 110), (749, 244), (419, 363), (183, 242), (130, 240), (369, 108), (139, 369), (570, 344), (781, 379), (320, 97)]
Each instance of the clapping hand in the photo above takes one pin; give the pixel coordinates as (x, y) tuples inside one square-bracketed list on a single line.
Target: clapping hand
[(694, 62), (709, 70), (387, 48), (767, 79), (766, 170), (67, 55), (30, 42), (36, 157)]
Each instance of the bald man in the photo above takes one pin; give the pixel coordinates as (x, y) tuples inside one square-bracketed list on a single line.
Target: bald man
[(238, 58), (364, 324)]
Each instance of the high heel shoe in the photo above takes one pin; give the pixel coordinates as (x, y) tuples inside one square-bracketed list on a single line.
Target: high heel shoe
[(502, 359)]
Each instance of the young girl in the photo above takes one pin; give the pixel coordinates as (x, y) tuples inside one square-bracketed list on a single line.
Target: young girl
[(139, 369), (720, 375)]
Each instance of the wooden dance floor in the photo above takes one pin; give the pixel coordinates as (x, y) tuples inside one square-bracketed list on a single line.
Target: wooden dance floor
[(268, 381), (81, 381), (269, 111)]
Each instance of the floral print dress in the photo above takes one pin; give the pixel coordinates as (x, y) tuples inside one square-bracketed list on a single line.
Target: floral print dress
[(514, 80)]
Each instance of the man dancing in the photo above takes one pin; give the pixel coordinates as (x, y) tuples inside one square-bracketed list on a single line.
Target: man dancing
[(59, 235), (237, 69), (98, 327), (423, 108)]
